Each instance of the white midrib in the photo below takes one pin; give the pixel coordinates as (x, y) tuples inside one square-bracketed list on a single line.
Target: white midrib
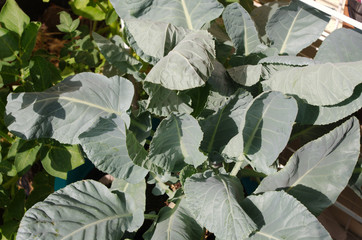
[(187, 15), (284, 46), (89, 104), (95, 223), (267, 235)]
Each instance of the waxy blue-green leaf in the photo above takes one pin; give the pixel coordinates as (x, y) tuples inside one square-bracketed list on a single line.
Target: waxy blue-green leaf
[(192, 14), (215, 204), (241, 29), (280, 216), (265, 131), (116, 55), (153, 40), (321, 115), (246, 75), (186, 66), (274, 64), (69, 108), (105, 145), (176, 142), (82, 210), (176, 224), (220, 127), (135, 191), (342, 45), (138, 154), (319, 84), (163, 102), (13, 18), (262, 14), (305, 176), (293, 28)]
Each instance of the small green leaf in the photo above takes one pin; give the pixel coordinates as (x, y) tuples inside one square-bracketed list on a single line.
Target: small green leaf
[(85, 209), (43, 73), (9, 44), (13, 18), (111, 16), (28, 39), (215, 204), (26, 155), (59, 159), (67, 24), (305, 176)]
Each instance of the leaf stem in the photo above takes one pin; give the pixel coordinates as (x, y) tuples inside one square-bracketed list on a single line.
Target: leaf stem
[(11, 182), (150, 216), (7, 137), (236, 168), (165, 187)]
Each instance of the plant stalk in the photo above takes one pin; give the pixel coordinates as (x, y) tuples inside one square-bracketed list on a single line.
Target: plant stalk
[(163, 185), (152, 217), (236, 168)]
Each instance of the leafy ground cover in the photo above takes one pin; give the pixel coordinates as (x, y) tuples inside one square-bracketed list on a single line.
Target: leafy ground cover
[(187, 103)]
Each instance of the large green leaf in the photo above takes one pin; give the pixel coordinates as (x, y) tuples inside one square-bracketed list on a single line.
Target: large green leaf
[(116, 55), (105, 145), (265, 131), (342, 45), (13, 18), (280, 216), (153, 40), (309, 114), (246, 75), (176, 142), (136, 191), (319, 84), (215, 204), (241, 29), (220, 127), (68, 109), (294, 27), (186, 66), (318, 172), (82, 210), (9, 44), (163, 102), (192, 14), (59, 159), (176, 224)]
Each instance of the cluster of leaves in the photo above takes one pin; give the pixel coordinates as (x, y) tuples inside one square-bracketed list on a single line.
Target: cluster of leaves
[(230, 93)]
